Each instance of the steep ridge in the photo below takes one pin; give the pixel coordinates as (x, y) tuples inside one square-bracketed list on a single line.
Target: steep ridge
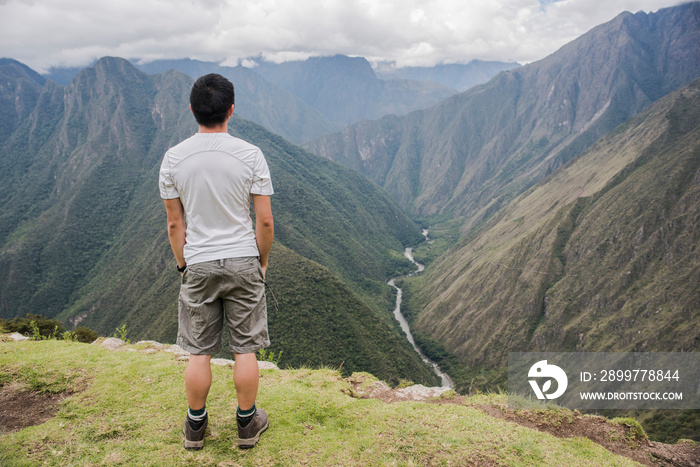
[(601, 256), (82, 232), (19, 90), (475, 151)]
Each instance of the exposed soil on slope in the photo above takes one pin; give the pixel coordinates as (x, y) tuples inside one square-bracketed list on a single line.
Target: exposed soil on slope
[(617, 438), (22, 407)]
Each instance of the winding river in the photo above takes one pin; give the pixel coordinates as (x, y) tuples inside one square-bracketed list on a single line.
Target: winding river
[(446, 381)]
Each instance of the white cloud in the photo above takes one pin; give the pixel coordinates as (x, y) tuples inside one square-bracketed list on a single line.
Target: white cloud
[(45, 33)]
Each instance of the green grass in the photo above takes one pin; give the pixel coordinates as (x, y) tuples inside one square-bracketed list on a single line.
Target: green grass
[(636, 433), (127, 408)]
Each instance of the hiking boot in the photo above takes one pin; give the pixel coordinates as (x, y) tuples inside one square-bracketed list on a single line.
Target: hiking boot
[(194, 439), (249, 435)]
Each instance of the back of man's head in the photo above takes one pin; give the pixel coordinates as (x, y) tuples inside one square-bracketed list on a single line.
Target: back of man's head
[(211, 98)]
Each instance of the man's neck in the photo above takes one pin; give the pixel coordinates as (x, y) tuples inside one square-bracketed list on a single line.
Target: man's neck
[(223, 128)]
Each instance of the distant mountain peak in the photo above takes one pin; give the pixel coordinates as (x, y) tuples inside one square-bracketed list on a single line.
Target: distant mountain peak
[(8, 63), (115, 66)]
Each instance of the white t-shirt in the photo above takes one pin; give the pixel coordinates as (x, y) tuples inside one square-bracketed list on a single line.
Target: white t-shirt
[(214, 175)]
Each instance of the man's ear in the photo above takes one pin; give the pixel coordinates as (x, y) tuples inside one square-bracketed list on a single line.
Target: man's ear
[(191, 108), (230, 112)]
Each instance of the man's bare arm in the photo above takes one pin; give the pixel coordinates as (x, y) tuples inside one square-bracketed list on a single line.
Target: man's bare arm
[(264, 228), (176, 228)]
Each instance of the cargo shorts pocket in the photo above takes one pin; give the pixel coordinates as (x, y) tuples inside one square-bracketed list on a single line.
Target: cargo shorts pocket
[(193, 296), (194, 285)]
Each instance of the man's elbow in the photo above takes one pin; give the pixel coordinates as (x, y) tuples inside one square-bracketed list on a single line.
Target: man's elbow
[(266, 222), (174, 226)]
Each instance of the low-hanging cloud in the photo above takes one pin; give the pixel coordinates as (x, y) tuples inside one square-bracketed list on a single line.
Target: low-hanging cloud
[(52, 33)]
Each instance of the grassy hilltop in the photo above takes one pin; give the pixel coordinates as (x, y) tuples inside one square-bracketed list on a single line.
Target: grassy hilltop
[(126, 408)]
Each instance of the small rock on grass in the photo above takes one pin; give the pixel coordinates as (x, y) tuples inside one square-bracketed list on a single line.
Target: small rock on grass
[(112, 343)]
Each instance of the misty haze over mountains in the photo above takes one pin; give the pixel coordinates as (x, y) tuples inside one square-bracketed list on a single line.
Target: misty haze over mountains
[(455, 76), (303, 100), (562, 199)]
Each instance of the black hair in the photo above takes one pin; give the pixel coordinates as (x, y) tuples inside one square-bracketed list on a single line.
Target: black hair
[(211, 98)]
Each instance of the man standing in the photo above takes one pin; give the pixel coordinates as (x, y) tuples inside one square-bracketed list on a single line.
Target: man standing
[(207, 182)]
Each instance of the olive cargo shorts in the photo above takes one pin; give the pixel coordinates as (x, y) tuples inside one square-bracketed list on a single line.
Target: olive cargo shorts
[(212, 293)]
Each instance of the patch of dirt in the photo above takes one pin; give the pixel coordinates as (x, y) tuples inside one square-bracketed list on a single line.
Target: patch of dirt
[(617, 438), (22, 407)]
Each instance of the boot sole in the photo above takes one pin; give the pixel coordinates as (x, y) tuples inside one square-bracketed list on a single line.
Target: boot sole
[(194, 445)]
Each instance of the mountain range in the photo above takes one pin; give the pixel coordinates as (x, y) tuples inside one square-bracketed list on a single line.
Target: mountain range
[(301, 100), (602, 256), (478, 149)]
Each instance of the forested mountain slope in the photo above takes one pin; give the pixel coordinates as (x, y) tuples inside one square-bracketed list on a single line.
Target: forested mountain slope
[(601, 256)]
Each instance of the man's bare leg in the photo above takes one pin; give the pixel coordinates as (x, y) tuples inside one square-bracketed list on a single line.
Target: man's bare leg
[(198, 380), (246, 377)]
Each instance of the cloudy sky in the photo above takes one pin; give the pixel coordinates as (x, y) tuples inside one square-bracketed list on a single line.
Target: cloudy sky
[(46, 33)]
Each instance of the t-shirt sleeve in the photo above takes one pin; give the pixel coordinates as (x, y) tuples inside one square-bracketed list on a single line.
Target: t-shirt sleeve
[(262, 184), (165, 182)]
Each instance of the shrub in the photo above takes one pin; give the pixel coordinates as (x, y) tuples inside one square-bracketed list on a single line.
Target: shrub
[(121, 333), (40, 328), (269, 356), (83, 334), (44, 327)]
